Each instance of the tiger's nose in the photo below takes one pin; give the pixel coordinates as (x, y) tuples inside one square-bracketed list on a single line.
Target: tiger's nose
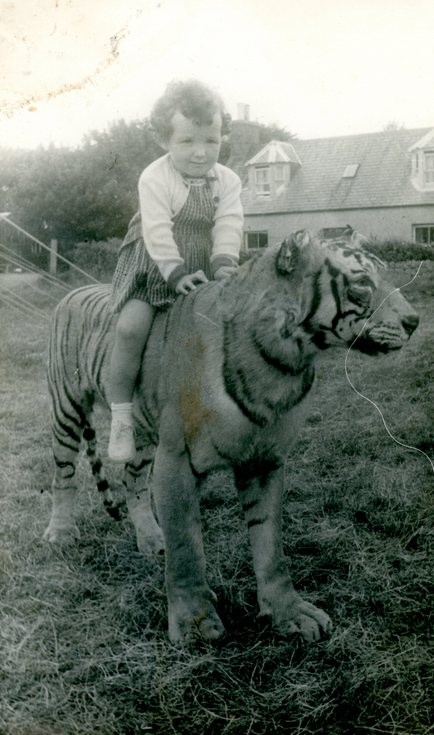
[(410, 322)]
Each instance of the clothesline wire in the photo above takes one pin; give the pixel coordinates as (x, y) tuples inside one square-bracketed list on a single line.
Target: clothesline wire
[(10, 303), (22, 262), (19, 303), (46, 247), (31, 285), (21, 300)]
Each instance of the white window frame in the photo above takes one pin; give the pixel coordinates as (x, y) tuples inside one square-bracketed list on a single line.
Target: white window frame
[(428, 172), (418, 228), (263, 180), (279, 173)]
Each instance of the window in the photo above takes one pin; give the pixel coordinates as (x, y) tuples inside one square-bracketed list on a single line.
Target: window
[(429, 167), (350, 171), (262, 180), (279, 173), (256, 239), (422, 169), (424, 234)]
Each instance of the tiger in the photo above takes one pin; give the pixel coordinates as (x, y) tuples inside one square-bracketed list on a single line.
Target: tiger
[(225, 382)]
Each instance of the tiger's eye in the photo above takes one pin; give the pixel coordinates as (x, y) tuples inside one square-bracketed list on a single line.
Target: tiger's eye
[(364, 281), (360, 296)]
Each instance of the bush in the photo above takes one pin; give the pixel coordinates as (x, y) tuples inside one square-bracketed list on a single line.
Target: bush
[(391, 251), (96, 258), (394, 251)]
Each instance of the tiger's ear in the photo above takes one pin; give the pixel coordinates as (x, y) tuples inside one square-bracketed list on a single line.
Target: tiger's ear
[(354, 239), (288, 256), (358, 240)]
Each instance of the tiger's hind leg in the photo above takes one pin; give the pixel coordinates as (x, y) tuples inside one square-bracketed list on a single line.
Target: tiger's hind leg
[(67, 423), (137, 477), (62, 527)]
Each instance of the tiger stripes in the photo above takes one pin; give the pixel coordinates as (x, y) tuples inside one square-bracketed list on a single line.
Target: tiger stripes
[(225, 382)]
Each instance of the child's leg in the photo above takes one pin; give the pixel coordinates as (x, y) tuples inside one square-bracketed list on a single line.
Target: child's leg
[(132, 332)]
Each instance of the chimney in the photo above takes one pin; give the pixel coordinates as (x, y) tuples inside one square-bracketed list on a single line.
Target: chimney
[(243, 111)]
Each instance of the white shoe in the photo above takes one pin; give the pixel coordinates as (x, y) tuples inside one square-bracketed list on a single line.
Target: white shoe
[(121, 446)]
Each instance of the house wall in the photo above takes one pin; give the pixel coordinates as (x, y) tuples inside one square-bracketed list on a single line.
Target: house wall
[(382, 223)]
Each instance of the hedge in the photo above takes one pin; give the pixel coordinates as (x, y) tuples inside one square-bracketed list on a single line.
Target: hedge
[(394, 251), (98, 258), (391, 251)]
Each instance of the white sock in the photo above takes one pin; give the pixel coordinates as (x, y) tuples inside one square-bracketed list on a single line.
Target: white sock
[(122, 412)]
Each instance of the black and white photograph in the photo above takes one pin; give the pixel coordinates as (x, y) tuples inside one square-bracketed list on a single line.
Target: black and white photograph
[(216, 367)]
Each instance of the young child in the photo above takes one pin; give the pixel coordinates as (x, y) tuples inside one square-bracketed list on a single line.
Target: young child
[(188, 230)]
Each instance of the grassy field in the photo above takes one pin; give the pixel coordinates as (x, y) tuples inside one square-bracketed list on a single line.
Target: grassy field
[(84, 649)]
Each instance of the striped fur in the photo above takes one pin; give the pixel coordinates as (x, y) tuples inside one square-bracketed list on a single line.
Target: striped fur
[(225, 381)]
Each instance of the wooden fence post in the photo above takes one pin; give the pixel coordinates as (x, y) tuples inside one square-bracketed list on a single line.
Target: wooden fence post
[(52, 268)]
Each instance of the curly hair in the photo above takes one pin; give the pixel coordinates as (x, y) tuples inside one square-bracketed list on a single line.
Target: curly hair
[(194, 100)]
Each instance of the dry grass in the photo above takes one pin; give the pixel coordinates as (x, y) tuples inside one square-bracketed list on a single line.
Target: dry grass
[(83, 634)]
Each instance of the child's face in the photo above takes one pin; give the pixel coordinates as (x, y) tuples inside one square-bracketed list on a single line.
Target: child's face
[(194, 148)]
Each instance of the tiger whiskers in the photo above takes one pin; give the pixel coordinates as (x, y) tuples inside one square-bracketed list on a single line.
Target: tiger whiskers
[(369, 400)]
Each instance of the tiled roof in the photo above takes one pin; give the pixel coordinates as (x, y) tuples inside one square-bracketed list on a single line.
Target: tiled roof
[(382, 178)]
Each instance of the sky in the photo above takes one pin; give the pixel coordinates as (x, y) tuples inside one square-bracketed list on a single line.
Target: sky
[(318, 68)]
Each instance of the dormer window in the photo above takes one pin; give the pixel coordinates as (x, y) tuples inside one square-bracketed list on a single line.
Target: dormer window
[(262, 180), (422, 169), (429, 167), (422, 163), (272, 168)]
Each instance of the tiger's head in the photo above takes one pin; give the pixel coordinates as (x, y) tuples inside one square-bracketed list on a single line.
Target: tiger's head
[(344, 299)]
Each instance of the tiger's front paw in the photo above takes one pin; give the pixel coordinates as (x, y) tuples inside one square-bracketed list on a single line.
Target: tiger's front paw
[(57, 533), (311, 622), (192, 617), (291, 614)]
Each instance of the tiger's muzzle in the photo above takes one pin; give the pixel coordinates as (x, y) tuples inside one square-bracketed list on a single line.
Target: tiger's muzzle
[(386, 335)]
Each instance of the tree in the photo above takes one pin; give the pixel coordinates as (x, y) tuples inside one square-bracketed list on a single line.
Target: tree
[(90, 194), (393, 125), (78, 195)]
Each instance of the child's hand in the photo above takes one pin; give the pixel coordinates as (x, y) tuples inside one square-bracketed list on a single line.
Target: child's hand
[(187, 283), (224, 272)]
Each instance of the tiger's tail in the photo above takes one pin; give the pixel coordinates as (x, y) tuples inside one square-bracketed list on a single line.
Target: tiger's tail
[(114, 507)]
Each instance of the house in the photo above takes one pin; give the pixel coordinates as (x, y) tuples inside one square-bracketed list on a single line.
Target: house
[(382, 184)]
